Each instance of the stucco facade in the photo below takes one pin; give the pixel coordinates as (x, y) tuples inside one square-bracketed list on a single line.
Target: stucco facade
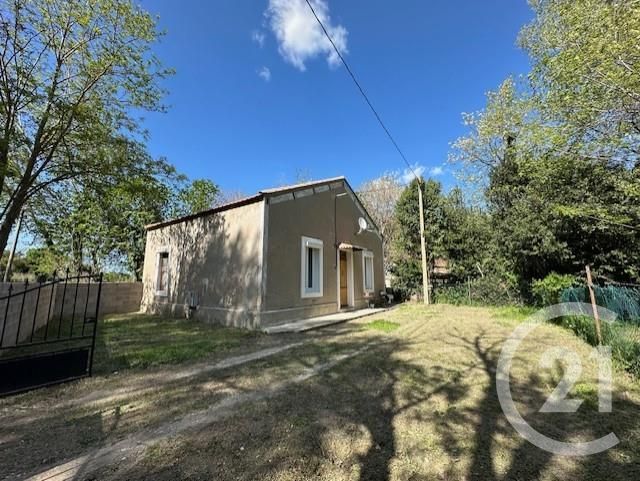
[(246, 265)]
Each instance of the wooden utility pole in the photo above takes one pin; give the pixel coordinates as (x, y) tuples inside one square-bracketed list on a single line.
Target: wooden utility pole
[(7, 271), (592, 294), (423, 246)]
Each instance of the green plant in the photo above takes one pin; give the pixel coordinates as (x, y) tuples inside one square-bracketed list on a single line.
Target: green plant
[(548, 291), (623, 338), (490, 290), (382, 325)]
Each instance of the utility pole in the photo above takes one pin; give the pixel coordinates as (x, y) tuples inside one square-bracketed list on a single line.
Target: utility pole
[(7, 271), (594, 306), (423, 246)]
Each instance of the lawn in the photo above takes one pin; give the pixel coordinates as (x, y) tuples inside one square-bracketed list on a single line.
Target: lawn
[(407, 395), (140, 341)]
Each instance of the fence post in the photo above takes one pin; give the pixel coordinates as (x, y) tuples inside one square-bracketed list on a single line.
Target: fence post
[(95, 325), (592, 294), (75, 300), (6, 313), (53, 290), (35, 312), (24, 295), (64, 294)]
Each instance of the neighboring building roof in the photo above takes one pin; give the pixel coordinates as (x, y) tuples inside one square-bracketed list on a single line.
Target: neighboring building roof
[(257, 198)]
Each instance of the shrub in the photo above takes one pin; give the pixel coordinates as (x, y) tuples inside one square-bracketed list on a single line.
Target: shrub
[(547, 291), (623, 338), (490, 290)]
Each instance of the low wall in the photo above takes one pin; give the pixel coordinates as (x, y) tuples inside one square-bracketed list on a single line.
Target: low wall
[(115, 298)]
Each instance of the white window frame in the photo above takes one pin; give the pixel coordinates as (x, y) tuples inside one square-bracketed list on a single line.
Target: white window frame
[(368, 255), (164, 292), (315, 244)]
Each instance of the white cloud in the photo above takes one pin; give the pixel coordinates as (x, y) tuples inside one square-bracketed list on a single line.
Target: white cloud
[(258, 37), (436, 171), (265, 74), (407, 175), (299, 36)]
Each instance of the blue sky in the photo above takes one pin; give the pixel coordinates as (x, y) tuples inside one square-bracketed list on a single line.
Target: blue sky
[(256, 98)]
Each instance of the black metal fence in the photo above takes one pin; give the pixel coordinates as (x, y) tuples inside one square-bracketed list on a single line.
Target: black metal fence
[(48, 331)]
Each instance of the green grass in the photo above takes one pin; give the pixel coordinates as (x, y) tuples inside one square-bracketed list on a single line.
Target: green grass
[(513, 314), (139, 341), (382, 325)]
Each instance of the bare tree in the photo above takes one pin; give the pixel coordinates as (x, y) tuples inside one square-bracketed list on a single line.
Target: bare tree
[(380, 197)]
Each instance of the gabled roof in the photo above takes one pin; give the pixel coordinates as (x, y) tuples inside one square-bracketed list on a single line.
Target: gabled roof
[(313, 183), (260, 196)]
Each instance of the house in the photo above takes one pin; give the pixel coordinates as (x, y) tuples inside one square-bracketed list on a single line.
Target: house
[(283, 254)]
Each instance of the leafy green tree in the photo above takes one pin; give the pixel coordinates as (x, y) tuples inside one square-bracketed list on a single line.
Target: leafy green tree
[(406, 250), (454, 231), (557, 151), (42, 262), (72, 73), (467, 239), (199, 195)]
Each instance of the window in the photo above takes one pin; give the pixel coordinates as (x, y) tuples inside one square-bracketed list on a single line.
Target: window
[(311, 268), (367, 271), (162, 282)]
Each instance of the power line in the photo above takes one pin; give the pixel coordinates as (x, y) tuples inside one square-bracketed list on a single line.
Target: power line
[(366, 98)]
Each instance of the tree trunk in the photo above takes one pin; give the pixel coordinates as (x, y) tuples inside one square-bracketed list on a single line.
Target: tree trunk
[(9, 220)]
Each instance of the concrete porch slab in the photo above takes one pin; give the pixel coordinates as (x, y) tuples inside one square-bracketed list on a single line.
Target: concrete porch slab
[(321, 321)]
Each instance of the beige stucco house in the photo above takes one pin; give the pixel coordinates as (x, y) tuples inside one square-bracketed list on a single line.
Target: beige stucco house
[(283, 254)]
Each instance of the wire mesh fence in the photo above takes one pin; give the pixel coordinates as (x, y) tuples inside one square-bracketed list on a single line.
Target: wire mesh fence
[(624, 300)]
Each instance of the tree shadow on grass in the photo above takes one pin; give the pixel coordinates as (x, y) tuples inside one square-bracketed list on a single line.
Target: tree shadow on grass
[(389, 413), (529, 462)]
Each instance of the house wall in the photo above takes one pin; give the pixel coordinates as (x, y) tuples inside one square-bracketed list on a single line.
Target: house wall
[(215, 258), (312, 216)]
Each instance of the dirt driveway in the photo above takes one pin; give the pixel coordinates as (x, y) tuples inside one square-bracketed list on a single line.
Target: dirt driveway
[(409, 395)]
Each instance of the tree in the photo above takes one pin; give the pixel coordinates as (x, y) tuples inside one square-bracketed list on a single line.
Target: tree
[(585, 67), (557, 152), (380, 196), (467, 238), (406, 254), (199, 195), (71, 74)]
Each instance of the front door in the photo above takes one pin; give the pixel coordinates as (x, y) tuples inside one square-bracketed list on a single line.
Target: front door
[(344, 298)]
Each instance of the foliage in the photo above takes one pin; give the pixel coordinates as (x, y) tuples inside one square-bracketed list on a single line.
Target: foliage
[(43, 262), (72, 74), (488, 290), (623, 338), (556, 152), (199, 195), (454, 231), (105, 224), (406, 253), (548, 291)]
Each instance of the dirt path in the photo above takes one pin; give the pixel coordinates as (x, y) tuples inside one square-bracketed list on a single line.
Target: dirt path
[(134, 445), (146, 383), (414, 399), (85, 424)]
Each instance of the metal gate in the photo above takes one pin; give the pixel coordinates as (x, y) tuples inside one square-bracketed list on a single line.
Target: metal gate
[(48, 331)]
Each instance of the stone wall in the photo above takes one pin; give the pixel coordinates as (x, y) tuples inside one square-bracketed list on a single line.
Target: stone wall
[(116, 298)]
